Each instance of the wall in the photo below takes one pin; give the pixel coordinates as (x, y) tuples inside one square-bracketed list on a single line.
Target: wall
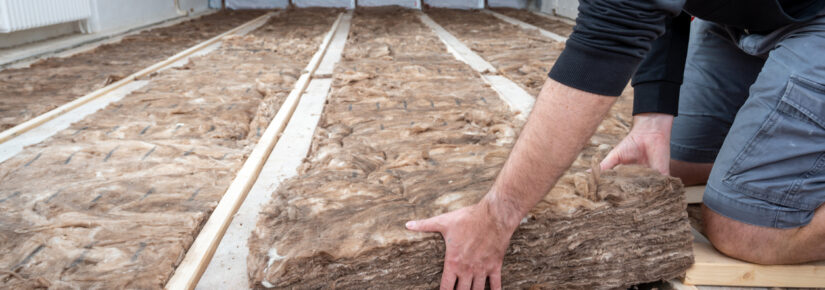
[(108, 15), (256, 4), (325, 3), (462, 4), (402, 3), (520, 4), (34, 34), (118, 14), (564, 8)]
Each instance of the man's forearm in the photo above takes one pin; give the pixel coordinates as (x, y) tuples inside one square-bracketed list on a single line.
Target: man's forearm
[(562, 121)]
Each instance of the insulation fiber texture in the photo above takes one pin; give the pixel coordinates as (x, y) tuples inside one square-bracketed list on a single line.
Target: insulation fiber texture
[(408, 133), (114, 201), (26, 93)]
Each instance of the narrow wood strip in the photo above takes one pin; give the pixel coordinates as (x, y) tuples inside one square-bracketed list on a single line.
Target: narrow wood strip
[(694, 194), (40, 133), (519, 100), (203, 248), (457, 48), (714, 268), (525, 25), (555, 18), (70, 106), (227, 269)]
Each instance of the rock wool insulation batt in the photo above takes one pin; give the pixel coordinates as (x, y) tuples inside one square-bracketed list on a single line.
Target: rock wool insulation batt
[(114, 201), (409, 132)]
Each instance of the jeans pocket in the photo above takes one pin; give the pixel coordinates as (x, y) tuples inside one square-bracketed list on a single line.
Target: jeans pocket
[(784, 161)]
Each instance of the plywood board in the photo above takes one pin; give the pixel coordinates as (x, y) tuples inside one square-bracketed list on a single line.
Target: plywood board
[(714, 268)]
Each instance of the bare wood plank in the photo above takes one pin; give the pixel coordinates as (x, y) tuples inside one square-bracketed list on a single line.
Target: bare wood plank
[(556, 18), (679, 286), (203, 248), (525, 25), (714, 268), (517, 98), (694, 194), (70, 106), (457, 48), (227, 269), (40, 133), (520, 101)]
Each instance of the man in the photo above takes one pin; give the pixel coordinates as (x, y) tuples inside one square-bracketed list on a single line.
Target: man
[(751, 124)]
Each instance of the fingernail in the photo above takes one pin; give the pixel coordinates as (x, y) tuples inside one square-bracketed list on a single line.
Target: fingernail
[(410, 224)]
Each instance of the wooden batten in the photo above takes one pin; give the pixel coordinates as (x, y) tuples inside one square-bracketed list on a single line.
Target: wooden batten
[(197, 258)]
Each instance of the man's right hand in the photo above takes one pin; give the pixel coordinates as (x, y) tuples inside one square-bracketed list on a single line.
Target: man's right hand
[(647, 144)]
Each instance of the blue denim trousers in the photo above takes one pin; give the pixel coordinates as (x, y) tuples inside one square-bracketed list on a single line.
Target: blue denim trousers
[(754, 105)]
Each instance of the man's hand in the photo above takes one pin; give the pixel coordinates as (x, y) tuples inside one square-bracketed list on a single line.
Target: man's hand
[(477, 238), (561, 122), (648, 144)]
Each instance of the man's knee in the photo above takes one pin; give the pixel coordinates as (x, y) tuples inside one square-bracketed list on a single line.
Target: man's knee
[(691, 173), (747, 242)]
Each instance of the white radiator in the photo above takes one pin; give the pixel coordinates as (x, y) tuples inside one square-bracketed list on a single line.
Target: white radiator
[(25, 14)]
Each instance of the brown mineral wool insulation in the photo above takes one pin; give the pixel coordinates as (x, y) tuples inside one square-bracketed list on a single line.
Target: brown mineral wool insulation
[(554, 26), (114, 201), (26, 93), (524, 56), (409, 133)]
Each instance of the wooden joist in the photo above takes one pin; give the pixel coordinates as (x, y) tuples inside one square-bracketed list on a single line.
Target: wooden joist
[(555, 18), (714, 268), (70, 107), (12, 141), (197, 258), (517, 98), (227, 269), (525, 25), (694, 194)]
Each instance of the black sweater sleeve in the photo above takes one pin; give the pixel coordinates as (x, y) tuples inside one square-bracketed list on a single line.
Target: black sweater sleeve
[(609, 41), (657, 81)]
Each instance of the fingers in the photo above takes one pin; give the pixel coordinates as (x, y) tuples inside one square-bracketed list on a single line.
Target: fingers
[(447, 280), (495, 280), (464, 282), (660, 158), (427, 225), (479, 281), (613, 158)]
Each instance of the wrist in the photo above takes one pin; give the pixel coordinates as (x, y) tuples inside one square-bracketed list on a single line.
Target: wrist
[(504, 211), (653, 123)]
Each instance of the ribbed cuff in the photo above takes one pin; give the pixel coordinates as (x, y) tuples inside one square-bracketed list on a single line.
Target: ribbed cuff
[(593, 70), (656, 97)]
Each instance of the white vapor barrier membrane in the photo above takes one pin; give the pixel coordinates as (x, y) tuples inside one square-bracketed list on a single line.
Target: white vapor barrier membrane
[(520, 4), (402, 3), (325, 3), (460, 4), (256, 4)]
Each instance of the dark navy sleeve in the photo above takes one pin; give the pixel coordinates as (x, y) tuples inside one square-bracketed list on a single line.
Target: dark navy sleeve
[(657, 81), (609, 41)]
